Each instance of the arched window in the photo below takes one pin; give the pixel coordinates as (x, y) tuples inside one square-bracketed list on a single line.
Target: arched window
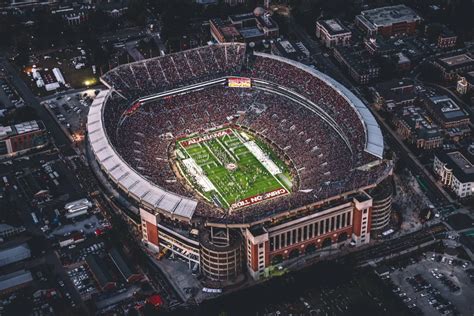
[(310, 248), (326, 242), (342, 237), (294, 253)]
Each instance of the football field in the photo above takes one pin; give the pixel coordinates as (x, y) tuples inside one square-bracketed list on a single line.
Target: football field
[(229, 169)]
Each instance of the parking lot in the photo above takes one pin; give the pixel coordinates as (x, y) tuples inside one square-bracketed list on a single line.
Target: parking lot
[(70, 110), (83, 281), (9, 96), (436, 285), (77, 253)]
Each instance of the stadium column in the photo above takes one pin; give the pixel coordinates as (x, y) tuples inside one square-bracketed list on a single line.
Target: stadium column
[(257, 244), (149, 229), (361, 218)]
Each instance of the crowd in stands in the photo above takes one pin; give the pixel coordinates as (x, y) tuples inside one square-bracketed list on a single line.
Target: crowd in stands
[(323, 163), (174, 70), (314, 89)]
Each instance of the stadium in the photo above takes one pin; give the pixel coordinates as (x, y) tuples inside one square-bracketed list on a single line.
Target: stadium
[(238, 161)]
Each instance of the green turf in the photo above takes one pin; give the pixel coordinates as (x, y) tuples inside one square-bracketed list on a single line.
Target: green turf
[(249, 179)]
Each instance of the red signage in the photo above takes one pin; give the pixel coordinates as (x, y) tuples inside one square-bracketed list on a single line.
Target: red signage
[(239, 82), (259, 198), (133, 108)]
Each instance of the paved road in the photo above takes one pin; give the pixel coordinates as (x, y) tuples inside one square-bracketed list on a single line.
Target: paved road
[(437, 193)]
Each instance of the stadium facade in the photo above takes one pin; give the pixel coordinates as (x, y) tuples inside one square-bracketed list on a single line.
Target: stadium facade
[(327, 135)]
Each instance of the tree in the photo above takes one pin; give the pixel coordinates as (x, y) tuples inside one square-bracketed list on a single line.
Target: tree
[(137, 12), (22, 114)]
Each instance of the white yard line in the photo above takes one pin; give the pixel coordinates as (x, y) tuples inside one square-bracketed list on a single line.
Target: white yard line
[(212, 153), (243, 143), (217, 190), (226, 150)]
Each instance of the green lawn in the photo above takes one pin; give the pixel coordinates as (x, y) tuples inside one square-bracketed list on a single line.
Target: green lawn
[(249, 179)]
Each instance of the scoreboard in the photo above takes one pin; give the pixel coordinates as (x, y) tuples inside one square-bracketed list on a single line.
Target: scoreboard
[(240, 82)]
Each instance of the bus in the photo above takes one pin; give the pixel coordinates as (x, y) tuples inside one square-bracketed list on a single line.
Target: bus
[(388, 232), (34, 217)]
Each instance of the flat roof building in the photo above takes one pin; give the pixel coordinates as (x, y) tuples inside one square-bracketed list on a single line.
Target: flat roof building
[(394, 94), (456, 171), (415, 126), (9, 230), (20, 138), (454, 64), (129, 274), (14, 254), (333, 33), (358, 63), (388, 21), (446, 111), (14, 281), (101, 272), (289, 49), (247, 28), (447, 38)]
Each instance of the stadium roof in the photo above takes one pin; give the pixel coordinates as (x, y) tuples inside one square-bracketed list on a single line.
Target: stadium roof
[(374, 138), (154, 197), (127, 178)]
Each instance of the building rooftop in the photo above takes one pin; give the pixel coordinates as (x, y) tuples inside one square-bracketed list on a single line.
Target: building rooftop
[(21, 128), (359, 59), (447, 108), (470, 77), (15, 279), (100, 272), (396, 90), (121, 264), (447, 32), (461, 162), (242, 17), (289, 49), (247, 26), (257, 230), (266, 21), (250, 32), (454, 61), (457, 60), (416, 118), (334, 26), (14, 254), (386, 16)]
